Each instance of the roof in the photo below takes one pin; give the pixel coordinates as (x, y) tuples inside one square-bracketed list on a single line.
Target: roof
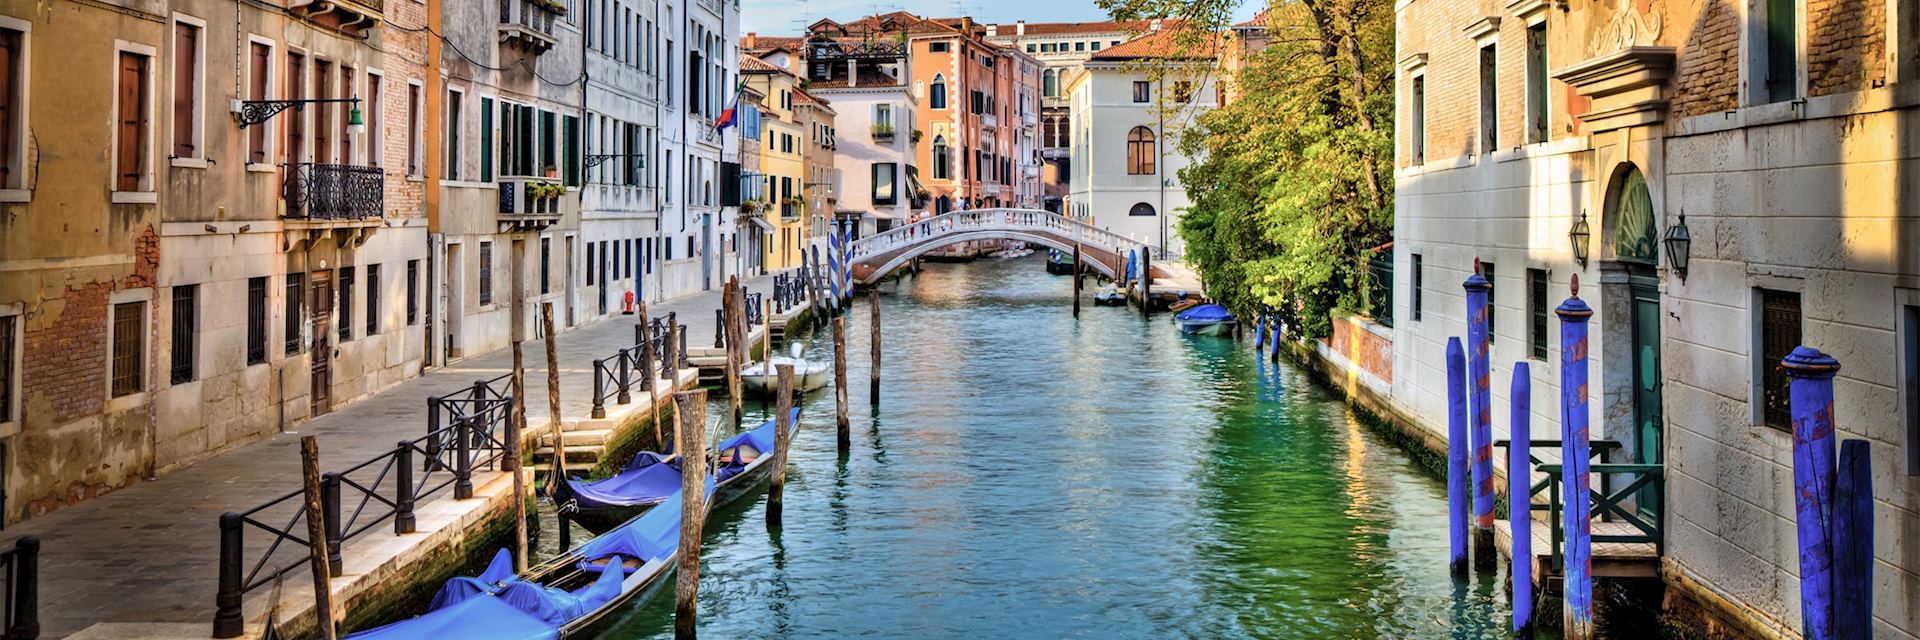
[(760, 45), (1258, 21), (1063, 28), (807, 99), (751, 64), (869, 77), (1163, 44)]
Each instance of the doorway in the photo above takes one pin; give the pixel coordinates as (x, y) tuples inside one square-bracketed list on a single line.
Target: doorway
[(1648, 418), (320, 385), (455, 295), (706, 252)]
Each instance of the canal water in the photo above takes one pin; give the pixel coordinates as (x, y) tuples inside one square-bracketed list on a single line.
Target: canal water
[(1030, 476)]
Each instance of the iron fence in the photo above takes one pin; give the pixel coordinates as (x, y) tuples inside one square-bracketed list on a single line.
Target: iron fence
[(1631, 503), (334, 191)]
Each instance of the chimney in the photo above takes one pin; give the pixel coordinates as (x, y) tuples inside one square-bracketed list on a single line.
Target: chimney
[(1020, 27), (752, 40), (1155, 25)]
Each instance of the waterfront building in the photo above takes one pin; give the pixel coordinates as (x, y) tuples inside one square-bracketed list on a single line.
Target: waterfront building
[(782, 172), (1128, 105), (1061, 47), (620, 197), (753, 225), (1550, 141), (818, 198), (174, 284), (876, 178)]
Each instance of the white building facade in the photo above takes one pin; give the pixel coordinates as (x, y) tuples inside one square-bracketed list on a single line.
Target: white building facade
[(1124, 160)]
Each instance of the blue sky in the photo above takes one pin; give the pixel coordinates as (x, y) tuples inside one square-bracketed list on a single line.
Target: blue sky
[(789, 17)]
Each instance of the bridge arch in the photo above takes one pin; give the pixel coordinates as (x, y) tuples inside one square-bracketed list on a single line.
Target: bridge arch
[(922, 248), (877, 255)]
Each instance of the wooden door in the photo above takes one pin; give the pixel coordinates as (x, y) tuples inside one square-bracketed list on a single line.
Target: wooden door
[(1649, 423), (320, 301)]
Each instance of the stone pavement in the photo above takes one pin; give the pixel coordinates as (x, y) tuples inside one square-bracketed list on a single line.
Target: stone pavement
[(149, 553)]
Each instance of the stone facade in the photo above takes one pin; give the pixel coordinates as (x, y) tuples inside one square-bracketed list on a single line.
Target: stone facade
[(1795, 201)]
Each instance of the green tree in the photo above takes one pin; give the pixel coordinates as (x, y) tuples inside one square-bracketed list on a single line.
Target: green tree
[(1292, 183)]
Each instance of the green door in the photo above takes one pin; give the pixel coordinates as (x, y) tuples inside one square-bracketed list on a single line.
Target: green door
[(1646, 378)]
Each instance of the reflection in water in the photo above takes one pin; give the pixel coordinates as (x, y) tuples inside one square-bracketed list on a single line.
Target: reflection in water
[(1036, 477)]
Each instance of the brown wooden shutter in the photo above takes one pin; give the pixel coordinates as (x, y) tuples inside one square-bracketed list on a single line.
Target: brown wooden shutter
[(372, 113), (186, 46), (257, 90), (346, 137), (9, 110), (322, 113), (296, 89), (130, 164)]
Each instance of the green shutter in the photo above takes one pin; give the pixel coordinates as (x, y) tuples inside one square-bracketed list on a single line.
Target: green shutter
[(486, 139), (570, 162)]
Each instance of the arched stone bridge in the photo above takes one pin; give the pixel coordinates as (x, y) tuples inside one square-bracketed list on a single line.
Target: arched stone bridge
[(1104, 251)]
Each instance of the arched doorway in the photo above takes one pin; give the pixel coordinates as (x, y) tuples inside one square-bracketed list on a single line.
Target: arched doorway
[(1635, 241)]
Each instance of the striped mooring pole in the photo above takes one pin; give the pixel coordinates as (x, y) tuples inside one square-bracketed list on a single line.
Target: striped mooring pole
[(1577, 610), (1519, 504), (1479, 370)]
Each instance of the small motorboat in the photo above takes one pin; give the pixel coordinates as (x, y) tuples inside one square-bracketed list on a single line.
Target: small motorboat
[(601, 505), (1206, 320), (1059, 263), (1109, 296), (759, 377)]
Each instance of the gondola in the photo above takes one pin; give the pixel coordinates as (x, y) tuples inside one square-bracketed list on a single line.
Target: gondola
[(1206, 320), (601, 505)]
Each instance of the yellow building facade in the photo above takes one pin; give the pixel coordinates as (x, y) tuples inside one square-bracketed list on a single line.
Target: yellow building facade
[(782, 164)]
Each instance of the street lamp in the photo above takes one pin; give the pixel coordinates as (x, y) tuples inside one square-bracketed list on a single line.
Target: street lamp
[(252, 112), (1579, 236), (1679, 243)]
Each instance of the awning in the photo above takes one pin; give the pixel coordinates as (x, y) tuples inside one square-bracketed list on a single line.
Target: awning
[(761, 221)]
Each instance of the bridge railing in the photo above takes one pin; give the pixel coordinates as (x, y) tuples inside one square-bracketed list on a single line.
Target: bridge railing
[(957, 222)]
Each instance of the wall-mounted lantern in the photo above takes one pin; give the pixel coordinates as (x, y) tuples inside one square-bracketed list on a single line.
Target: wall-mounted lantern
[(1679, 243), (1579, 236)]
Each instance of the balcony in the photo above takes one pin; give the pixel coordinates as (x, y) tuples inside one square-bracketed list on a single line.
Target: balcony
[(351, 16), (1030, 120), (334, 192), (528, 24), (883, 133), (989, 121), (530, 202)]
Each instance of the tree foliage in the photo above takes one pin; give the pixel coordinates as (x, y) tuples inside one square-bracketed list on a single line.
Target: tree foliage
[(1292, 180)]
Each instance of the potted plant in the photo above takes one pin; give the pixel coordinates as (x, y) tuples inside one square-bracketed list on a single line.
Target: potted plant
[(915, 136)]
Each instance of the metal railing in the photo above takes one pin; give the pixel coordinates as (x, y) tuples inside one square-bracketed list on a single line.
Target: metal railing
[(1609, 504), (937, 228), (354, 501), (334, 191), (1379, 290), (534, 15), (20, 568), (615, 377), (521, 195)]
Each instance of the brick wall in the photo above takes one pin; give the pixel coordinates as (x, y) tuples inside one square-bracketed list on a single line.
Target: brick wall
[(1707, 75), (1846, 46), (62, 359), (1369, 351)]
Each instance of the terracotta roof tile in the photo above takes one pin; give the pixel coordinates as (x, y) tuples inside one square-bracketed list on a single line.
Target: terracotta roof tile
[(1159, 44)]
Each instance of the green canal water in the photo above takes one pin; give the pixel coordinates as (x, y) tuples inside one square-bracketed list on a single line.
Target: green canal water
[(1030, 476)]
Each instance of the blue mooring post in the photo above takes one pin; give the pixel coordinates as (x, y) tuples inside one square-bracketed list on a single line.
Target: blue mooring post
[(1273, 343), (1577, 612), (1456, 456), (1259, 332), (1519, 502), (1853, 543), (1479, 370), (1810, 391)]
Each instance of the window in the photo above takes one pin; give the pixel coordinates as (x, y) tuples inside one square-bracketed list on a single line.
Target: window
[(186, 90), (1141, 209), (1779, 334), (546, 262), (1417, 113), (1142, 91), (373, 114), (938, 47), (1080, 46), (373, 299), (486, 138), (413, 292), (346, 136), (1182, 91), (1050, 83), (256, 320), (1782, 67), (1140, 152), (1537, 83), (9, 335), (453, 134), (942, 161), (260, 55), (345, 297), (1537, 314), (185, 328), (1096, 46), (129, 342), (323, 135), (414, 159), (1489, 100), (1419, 278), (296, 122), (12, 107), (1910, 380), (590, 264), (549, 140), (296, 289), (883, 177), (131, 124), (1493, 310), (937, 96), (1031, 47), (570, 159), (486, 273)]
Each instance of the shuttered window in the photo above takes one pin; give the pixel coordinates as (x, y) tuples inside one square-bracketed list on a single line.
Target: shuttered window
[(131, 124), (1537, 314), (186, 90), (413, 129), (570, 139), (9, 329), (256, 320), (129, 343), (486, 139), (344, 321), (486, 273), (373, 299), (413, 292), (1779, 334), (546, 262), (186, 327), (346, 137), (1493, 310), (259, 57), (323, 119), (373, 120), (1418, 289), (296, 290), (453, 134), (12, 105), (296, 122)]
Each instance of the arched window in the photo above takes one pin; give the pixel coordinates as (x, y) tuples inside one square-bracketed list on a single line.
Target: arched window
[(1140, 152), (1141, 209), (937, 96), (1051, 84), (1634, 235), (942, 163)]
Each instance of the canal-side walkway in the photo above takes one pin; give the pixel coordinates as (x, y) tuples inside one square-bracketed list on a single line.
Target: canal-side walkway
[(142, 562)]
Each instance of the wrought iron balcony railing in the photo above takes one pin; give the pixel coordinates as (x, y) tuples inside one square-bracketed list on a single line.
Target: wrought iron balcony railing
[(883, 133), (334, 191), (530, 196), (529, 23)]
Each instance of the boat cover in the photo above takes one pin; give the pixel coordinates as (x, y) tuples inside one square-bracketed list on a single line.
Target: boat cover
[(459, 588), (557, 607), (1205, 313), (645, 480), (760, 438), (652, 536), (486, 617)]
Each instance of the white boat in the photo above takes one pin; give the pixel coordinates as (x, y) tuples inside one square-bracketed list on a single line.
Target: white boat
[(807, 375)]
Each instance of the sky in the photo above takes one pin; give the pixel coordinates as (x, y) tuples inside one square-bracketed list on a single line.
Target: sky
[(790, 17)]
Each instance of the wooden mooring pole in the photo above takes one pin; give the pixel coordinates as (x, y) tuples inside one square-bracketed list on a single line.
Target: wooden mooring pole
[(1076, 280), (647, 361), (317, 537), (843, 431), (1146, 280), (1456, 457), (516, 427), (783, 407), (766, 341), (1577, 581), (1519, 492), (554, 426), (1853, 543), (730, 299), (690, 426), (873, 345)]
